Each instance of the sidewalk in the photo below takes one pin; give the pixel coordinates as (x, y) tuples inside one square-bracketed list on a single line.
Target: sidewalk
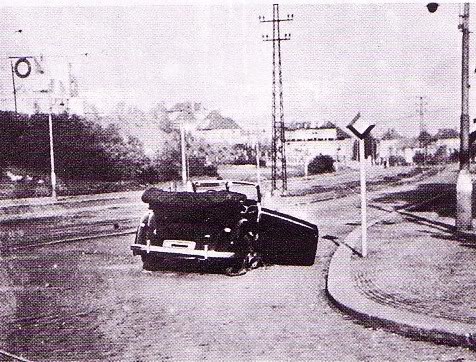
[(419, 278)]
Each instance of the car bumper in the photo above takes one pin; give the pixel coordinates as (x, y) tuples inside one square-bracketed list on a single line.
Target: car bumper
[(181, 253)]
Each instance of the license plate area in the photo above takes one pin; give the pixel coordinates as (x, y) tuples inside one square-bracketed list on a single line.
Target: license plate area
[(179, 244)]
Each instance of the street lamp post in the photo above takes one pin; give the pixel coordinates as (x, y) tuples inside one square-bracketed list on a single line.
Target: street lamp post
[(258, 166), (182, 146), (52, 154), (183, 151)]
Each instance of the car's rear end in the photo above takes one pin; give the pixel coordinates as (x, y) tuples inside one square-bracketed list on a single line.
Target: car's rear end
[(191, 226)]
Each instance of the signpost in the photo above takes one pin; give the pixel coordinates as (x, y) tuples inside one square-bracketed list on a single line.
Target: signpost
[(179, 121), (258, 170), (361, 130)]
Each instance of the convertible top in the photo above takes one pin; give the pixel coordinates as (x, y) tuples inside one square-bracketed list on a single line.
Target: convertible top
[(216, 206), (171, 198)]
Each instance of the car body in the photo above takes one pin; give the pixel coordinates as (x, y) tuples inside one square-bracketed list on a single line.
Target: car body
[(213, 224)]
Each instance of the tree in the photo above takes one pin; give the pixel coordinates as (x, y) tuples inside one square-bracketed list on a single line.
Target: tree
[(321, 164), (159, 115), (424, 138), (83, 149)]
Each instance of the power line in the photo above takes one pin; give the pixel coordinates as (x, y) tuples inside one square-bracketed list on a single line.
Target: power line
[(278, 152)]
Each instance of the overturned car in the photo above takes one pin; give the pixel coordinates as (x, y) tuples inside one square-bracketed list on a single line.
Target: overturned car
[(216, 225)]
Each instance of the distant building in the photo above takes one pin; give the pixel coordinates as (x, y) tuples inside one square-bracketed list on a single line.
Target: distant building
[(189, 114), (216, 129), (389, 145), (448, 140), (304, 142), (393, 147)]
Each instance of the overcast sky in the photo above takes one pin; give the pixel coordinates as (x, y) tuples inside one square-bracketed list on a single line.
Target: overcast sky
[(373, 58)]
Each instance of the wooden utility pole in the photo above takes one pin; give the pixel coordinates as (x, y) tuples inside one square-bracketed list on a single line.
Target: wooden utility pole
[(464, 186)]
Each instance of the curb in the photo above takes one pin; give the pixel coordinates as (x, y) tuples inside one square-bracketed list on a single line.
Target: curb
[(342, 292)]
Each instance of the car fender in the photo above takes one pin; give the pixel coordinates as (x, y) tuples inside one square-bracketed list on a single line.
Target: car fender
[(146, 228)]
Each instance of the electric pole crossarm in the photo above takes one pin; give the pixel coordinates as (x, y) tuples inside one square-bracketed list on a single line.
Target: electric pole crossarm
[(275, 21), (277, 39), (290, 17)]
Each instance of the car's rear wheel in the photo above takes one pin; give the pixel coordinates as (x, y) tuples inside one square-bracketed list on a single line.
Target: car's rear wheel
[(240, 267), (254, 261), (151, 262)]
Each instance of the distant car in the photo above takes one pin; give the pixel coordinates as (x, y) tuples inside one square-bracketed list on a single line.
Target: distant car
[(213, 224)]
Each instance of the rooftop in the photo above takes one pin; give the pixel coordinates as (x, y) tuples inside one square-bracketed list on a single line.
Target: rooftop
[(215, 120), (446, 133), (341, 134)]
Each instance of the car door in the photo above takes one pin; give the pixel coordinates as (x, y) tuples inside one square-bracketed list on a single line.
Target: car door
[(284, 239)]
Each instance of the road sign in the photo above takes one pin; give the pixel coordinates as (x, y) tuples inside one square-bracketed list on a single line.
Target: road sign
[(360, 127), (22, 68)]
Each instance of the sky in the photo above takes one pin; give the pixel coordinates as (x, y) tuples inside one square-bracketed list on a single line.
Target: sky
[(376, 59)]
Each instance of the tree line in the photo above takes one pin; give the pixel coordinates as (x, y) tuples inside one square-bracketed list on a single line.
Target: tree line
[(86, 150)]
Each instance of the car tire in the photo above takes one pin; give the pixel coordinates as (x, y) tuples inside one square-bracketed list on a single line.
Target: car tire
[(237, 269), (255, 261), (150, 262)]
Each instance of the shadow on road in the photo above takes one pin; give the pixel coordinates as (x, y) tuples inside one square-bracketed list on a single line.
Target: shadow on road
[(438, 198), (441, 199)]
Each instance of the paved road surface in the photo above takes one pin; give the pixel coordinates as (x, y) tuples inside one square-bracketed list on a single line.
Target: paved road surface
[(91, 301)]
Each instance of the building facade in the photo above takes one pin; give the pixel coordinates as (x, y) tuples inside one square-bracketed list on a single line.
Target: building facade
[(303, 143), (216, 129)]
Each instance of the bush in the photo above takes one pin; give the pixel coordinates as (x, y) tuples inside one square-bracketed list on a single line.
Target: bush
[(84, 150), (251, 161), (397, 161), (321, 164), (198, 167), (454, 157)]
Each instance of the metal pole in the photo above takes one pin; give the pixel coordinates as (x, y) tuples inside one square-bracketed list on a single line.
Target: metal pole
[(274, 141), (278, 141), (282, 134), (363, 194), (464, 187), (14, 88), (184, 161), (258, 170), (52, 155)]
